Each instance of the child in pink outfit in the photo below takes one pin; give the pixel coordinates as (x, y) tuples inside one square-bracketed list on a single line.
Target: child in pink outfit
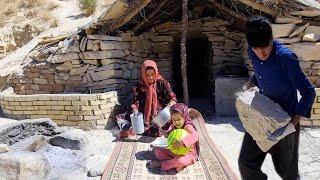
[(165, 158)]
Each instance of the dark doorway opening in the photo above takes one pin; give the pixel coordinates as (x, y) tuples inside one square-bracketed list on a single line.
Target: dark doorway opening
[(199, 59)]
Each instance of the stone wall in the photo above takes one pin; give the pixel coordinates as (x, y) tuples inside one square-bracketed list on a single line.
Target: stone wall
[(83, 110), (92, 64), (315, 112), (226, 45), (304, 41)]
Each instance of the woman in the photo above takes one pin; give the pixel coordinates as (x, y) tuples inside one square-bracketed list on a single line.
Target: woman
[(151, 94)]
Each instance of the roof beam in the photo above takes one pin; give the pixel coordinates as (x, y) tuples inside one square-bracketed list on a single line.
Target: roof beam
[(160, 5), (131, 12), (259, 6)]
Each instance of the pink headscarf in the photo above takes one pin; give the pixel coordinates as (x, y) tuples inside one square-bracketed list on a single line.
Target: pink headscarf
[(184, 110), (151, 104)]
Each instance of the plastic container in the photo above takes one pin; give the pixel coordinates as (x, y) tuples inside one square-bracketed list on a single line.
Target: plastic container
[(137, 122), (162, 117)]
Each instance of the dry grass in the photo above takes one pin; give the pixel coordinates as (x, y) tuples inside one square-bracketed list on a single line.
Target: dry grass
[(26, 10), (54, 23), (88, 7), (52, 5)]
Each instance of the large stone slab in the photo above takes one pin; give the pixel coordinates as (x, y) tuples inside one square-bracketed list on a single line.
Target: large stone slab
[(289, 40), (225, 90), (102, 75), (109, 45), (282, 30), (263, 119), (287, 20), (299, 30), (104, 54), (312, 33), (33, 143), (61, 58), (21, 165), (15, 132), (306, 51), (74, 139)]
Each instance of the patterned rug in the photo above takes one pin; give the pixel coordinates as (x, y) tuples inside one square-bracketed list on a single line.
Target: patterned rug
[(129, 158)]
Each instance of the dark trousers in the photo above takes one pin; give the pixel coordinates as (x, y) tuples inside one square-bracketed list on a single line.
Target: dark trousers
[(284, 156)]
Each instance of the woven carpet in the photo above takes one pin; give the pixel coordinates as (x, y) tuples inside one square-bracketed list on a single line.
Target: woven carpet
[(129, 158)]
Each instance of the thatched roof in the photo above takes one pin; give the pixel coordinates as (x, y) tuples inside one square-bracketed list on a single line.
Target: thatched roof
[(139, 15)]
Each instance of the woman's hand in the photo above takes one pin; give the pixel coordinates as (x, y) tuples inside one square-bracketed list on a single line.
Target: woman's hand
[(171, 103), (135, 111)]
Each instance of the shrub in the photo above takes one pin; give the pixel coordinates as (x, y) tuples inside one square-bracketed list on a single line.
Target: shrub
[(88, 6)]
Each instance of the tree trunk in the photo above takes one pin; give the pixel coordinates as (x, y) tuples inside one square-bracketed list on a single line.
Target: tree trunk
[(183, 51)]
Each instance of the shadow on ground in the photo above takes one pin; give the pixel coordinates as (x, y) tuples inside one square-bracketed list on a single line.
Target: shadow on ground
[(233, 121)]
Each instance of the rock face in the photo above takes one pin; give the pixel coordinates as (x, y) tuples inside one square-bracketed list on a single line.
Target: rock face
[(74, 139), (263, 119), (21, 165)]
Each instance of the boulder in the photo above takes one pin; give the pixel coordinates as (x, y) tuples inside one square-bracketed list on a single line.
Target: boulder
[(74, 139), (23, 165), (287, 20), (33, 143), (312, 33)]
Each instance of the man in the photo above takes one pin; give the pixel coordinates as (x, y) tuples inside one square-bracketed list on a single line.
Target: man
[(278, 76)]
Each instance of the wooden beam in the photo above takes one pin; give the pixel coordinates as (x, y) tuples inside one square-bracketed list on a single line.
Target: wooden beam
[(229, 12), (129, 15), (259, 6), (150, 15), (184, 32)]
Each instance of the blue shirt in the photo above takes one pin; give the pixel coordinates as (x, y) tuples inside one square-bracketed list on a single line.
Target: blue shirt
[(279, 77)]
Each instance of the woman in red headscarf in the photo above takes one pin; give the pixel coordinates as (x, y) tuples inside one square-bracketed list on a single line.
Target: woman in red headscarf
[(151, 94)]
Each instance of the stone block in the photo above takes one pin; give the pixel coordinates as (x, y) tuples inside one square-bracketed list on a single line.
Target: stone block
[(65, 103), (58, 107), (88, 97), (72, 108), (306, 51), (51, 103), (282, 30), (23, 165), (26, 103), (45, 107), (104, 54), (38, 103), (263, 119), (61, 58), (225, 95), (73, 139), (71, 97)]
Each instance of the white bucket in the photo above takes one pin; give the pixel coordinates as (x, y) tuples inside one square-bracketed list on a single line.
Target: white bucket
[(162, 117), (137, 122)]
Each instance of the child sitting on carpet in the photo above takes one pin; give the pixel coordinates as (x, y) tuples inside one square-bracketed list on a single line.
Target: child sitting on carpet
[(164, 157)]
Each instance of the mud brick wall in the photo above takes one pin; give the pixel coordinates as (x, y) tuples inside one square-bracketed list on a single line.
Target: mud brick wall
[(82, 110)]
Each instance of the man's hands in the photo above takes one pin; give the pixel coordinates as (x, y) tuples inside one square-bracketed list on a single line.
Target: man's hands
[(248, 85), (295, 119)]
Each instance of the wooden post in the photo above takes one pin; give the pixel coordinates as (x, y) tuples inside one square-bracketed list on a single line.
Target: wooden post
[(184, 32)]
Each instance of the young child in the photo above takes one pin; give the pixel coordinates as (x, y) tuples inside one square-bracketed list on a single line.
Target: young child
[(164, 157)]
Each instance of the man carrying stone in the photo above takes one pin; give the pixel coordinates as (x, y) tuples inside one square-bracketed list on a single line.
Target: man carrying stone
[(278, 76)]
